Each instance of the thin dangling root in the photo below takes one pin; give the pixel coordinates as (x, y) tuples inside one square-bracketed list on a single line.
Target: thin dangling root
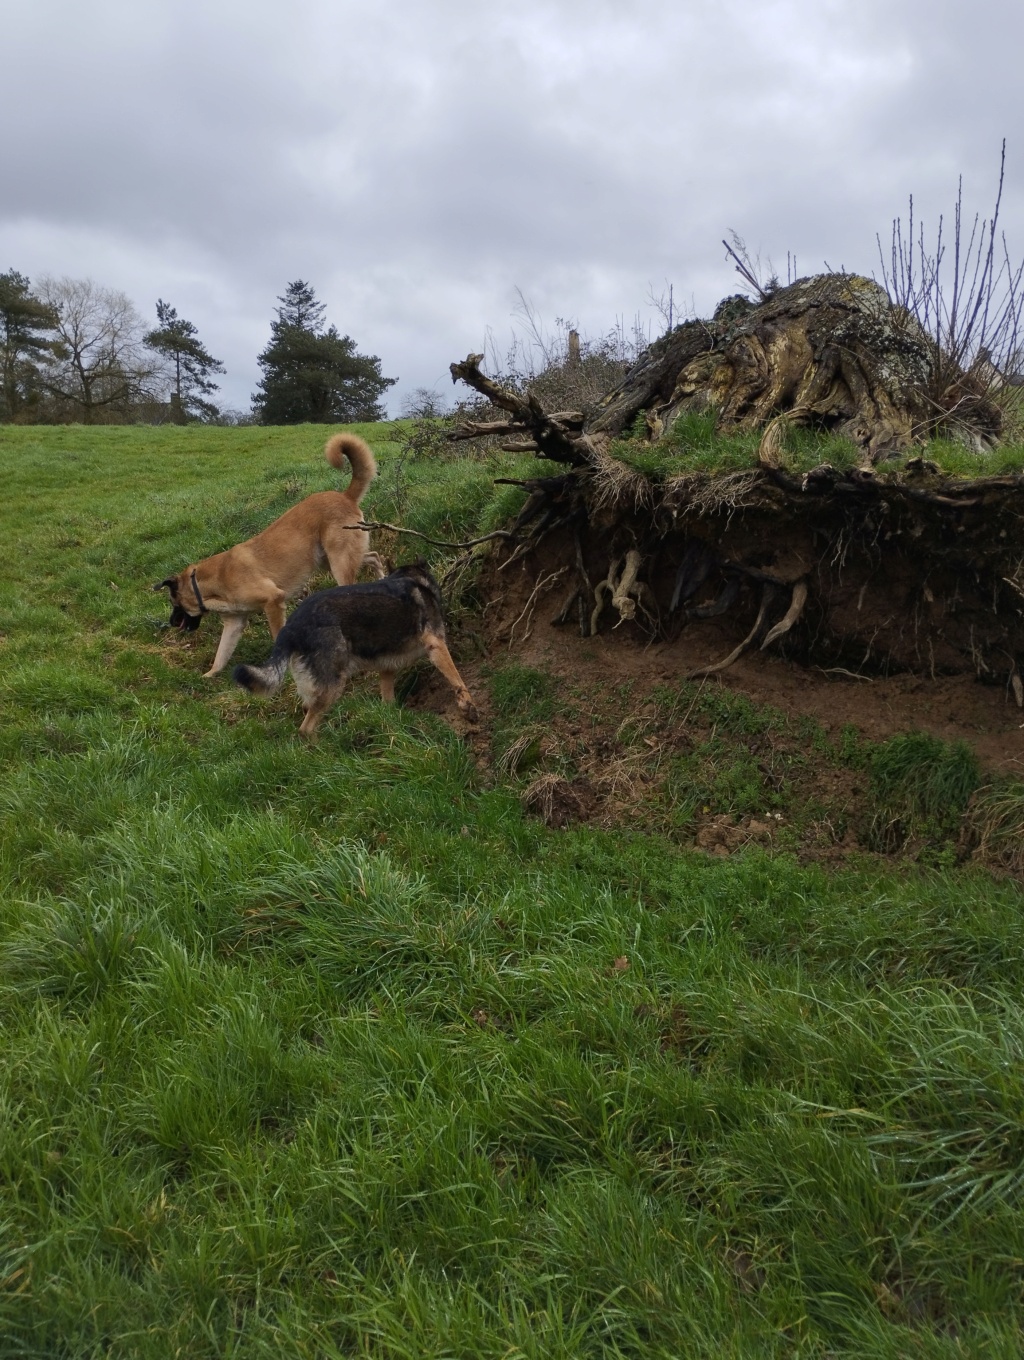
[(792, 614), (542, 583), (766, 598), (563, 614)]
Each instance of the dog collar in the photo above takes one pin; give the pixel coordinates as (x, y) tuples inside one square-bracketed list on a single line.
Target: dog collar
[(199, 598)]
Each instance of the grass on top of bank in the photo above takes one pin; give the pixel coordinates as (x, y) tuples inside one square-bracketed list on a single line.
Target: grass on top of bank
[(333, 1052)]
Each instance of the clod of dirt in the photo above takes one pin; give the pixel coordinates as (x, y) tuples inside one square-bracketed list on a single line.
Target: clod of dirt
[(556, 801), (722, 835)]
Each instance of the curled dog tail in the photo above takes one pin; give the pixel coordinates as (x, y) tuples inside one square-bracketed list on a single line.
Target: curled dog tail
[(359, 454), (265, 679)]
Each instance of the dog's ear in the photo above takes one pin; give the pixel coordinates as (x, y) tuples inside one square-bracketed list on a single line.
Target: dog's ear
[(169, 583)]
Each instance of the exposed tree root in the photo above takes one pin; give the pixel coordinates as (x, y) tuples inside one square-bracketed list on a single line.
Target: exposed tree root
[(767, 596), (543, 583), (791, 616), (722, 603), (622, 588), (883, 570)]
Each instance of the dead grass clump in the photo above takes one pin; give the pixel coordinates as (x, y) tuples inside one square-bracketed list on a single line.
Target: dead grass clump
[(532, 745), (994, 826), (705, 494), (616, 486)]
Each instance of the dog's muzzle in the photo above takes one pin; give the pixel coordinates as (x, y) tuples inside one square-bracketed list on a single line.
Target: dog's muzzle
[(181, 618)]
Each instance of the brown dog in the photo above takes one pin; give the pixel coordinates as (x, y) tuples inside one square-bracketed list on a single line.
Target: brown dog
[(266, 571)]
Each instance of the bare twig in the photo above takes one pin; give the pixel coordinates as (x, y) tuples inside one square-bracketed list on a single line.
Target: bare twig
[(437, 542), (969, 300)]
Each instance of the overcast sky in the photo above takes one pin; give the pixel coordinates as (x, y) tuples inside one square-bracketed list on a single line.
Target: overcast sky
[(419, 162)]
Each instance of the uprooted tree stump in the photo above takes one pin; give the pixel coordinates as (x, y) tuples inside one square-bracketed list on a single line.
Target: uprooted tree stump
[(878, 568)]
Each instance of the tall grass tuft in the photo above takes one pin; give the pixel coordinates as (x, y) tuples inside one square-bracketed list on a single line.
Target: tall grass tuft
[(921, 787), (995, 826)]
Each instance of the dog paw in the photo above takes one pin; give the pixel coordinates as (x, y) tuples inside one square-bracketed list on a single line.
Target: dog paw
[(468, 710)]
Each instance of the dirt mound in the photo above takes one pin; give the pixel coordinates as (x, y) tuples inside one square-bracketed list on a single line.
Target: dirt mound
[(765, 753)]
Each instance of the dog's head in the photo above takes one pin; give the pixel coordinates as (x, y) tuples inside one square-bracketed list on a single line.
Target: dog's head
[(419, 572), (187, 607)]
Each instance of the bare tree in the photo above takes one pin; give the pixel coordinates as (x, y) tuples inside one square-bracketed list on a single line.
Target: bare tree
[(99, 366), (967, 294), (562, 367)]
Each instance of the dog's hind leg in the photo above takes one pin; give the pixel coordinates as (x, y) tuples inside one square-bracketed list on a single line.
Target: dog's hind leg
[(275, 612), (316, 698), (344, 552), (387, 686), (437, 650), (317, 707), (231, 632), (376, 565)]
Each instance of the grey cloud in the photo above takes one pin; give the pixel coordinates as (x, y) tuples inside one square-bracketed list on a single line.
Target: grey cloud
[(418, 162)]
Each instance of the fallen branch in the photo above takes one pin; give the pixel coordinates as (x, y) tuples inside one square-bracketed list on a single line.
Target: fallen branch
[(478, 429), (554, 440)]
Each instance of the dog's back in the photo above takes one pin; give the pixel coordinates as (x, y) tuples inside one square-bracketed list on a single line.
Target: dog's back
[(380, 626), (358, 627)]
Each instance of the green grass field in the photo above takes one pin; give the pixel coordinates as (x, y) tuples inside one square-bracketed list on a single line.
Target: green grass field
[(334, 1052)]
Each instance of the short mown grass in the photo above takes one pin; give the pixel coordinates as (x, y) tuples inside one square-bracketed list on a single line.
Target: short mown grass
[(333, 1052)]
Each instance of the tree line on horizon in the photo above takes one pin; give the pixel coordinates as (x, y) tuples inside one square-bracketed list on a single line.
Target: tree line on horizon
[(73, 351)]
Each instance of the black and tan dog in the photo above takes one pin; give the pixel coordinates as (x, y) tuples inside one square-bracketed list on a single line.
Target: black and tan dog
[(380, 626), (265, 572)]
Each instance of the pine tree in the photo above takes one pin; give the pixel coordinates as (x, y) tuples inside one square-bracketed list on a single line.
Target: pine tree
[(177, 340), (299, 307), (24, 322), (315, 374)]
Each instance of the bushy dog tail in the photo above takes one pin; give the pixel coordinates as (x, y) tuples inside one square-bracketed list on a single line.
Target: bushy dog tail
[(265, 679), (360, 455)]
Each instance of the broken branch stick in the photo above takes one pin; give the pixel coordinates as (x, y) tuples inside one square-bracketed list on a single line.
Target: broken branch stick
[(553, 439)]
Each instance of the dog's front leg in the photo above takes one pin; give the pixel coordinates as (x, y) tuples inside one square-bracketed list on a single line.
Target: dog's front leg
[(232, 631), (438, 652)]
